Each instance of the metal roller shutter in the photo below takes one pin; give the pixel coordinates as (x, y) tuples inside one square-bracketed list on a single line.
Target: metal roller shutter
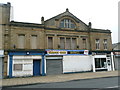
[(53, 67)]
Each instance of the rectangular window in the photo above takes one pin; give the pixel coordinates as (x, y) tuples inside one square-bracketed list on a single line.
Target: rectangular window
[(34, 42), (18, 67), (105, 44), (50, 42), (84, 43), (97, 44), (74, 43), (62, 43), (21, 41), (62, 24), (100, 62), (68, 43)]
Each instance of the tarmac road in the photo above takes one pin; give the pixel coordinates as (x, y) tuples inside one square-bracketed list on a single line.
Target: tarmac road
[(108, 82)]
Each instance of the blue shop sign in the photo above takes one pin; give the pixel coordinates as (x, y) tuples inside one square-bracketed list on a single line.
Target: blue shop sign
[(67, 52)]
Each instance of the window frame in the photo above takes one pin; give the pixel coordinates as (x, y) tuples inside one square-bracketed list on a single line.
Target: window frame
[(17, 69), (105, 44), (97, 43), (48, 42), (67, 23), (24, 40)]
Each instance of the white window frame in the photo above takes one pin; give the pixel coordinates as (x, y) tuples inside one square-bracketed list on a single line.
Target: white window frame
[(105, 44), (97, 43), (67, 23)]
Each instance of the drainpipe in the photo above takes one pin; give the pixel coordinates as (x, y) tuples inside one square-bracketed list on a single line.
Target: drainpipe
[(89, 36)]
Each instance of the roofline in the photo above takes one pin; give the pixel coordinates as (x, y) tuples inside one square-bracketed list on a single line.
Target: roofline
[(26, 24)]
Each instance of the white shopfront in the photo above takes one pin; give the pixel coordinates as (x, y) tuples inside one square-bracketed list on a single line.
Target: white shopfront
[(103, 63), (68, 61)]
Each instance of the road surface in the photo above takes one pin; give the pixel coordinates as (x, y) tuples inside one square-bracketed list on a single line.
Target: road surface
[(109, 82)]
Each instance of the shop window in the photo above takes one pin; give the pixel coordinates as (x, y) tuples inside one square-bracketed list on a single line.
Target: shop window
[(74, 43), (50, 42), (18, 67), (105, 44), (97, 44), (67, 23), (34, 42), (21, 41), (62, 43), (100, 62)]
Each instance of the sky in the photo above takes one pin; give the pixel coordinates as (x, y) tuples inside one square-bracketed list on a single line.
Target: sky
[(102, 13)]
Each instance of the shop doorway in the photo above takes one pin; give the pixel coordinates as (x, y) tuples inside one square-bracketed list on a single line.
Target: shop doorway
[(36, 67)]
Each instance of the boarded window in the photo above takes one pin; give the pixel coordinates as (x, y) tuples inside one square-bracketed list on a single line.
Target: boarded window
[(62, 42), (68, 43), (50, 42), (74, 43), (34, 42), (21, 41), (18, 67)]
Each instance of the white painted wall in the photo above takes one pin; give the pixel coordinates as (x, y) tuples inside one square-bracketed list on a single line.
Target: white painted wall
[(77, 63), (27, 67), (27, 62)]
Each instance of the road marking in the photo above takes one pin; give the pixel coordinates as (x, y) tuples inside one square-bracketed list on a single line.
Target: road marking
[(106, 88), (113, 87)]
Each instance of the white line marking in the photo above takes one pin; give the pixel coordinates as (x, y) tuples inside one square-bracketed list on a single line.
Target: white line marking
[(113, 87)]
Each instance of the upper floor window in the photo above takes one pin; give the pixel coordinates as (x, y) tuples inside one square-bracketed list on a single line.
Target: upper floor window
[(105, 43), (50, 42), (21, 41), (84, 43), (33, 41), (97, 44), (67, 23)]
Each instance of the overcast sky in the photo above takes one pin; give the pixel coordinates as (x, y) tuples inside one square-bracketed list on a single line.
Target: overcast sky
[(102, 13)]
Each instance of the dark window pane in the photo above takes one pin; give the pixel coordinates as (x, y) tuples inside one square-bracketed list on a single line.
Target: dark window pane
[(18, 67)]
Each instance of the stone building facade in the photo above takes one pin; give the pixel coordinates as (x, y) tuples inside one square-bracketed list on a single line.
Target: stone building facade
[(63, 32)]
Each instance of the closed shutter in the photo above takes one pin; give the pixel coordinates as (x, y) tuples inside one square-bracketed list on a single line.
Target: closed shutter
[(76, 63), (54, 67), (50, 42), (62, 42), (34, 42), (68, 43), (74, 43), (21, 41)]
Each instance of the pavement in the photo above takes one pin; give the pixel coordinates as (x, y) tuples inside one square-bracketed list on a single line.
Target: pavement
[(56, 78)]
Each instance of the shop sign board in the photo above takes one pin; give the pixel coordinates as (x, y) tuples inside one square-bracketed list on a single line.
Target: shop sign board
[(56, 52), (67, 52)]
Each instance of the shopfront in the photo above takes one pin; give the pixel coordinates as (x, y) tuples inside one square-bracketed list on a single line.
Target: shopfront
[(103, 62), (25, 63), (67, 61)]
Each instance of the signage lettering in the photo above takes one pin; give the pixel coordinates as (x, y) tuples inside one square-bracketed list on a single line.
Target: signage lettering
[(56, 52)]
